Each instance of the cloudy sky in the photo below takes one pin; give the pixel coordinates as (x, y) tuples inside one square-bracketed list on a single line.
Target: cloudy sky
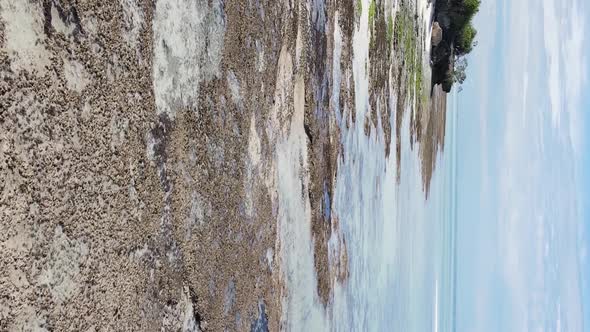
[(523, 172)]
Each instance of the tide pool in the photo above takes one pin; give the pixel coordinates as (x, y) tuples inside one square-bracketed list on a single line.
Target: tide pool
[(400, 244)]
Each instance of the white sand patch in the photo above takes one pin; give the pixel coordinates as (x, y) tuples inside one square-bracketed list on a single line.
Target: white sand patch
[(274, 125), (140, 253), (22, 241), (29, 319), (234, 87), (298, 48), (254, 157), (189, 322), (18, 278), (77, 77), (133, 22), (254, 147), (58, 24), (261, 62), (249, 208), (360, 46), (119, 126), (197, 212), (86, 111), (114, 70), (283, 91), (90, 24), (188, 43), (24, 36), (62, 270), (269, 258), (150, 148), (301, 307), (4, 311), (180, 316)]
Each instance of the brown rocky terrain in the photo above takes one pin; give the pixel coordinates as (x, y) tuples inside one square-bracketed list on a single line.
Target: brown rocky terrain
[(138, 156), (117, 216)]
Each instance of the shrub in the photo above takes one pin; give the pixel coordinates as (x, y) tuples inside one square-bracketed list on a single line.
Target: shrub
[(455, 17), (372, 12), (465, 40), (358, 9), (389, 29), (471, 7), (460, 13)]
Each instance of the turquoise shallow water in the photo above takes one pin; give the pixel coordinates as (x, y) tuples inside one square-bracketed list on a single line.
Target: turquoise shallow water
[(400, 244)]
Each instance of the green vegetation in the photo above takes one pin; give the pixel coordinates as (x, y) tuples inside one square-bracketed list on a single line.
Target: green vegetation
[(389, 29), (465, 40), (403, 33), (406, 43), (358, 9), (372, 12), (461, 13), (455, 18)]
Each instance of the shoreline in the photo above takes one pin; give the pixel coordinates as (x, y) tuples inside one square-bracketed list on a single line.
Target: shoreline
[(155, 167)]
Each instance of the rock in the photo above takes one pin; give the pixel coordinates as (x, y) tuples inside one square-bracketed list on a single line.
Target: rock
[(447, 83), (437, 34)]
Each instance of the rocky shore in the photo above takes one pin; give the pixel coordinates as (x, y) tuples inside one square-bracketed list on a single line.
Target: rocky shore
[(140, 152)]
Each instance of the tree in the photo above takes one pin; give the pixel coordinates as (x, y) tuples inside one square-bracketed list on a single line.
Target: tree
[(450, 64), (471, 7), (465, 41), (461, 13), (459, 70)]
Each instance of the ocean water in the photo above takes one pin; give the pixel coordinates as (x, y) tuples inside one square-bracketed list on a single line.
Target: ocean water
[(400, 245)]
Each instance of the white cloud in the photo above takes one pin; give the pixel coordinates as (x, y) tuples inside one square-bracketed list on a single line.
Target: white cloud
[(552, 48), (564, 35), (537, 190), (575, 74), (531, 116)]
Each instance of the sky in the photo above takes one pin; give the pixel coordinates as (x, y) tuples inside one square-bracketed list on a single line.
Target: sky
[(524, 179)]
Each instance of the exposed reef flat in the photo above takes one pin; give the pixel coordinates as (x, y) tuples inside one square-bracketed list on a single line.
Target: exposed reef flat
[(147, 148)]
